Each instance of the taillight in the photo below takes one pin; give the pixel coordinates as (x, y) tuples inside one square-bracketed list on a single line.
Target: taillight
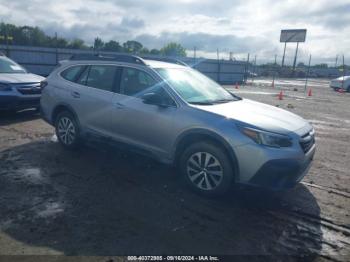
[(43, 84)]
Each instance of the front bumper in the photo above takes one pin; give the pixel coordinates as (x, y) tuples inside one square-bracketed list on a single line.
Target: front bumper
[(274, 168), (280, 174), (336, 85), (14, 101)]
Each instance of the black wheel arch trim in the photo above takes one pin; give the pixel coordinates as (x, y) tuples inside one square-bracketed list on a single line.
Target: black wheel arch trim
[(68, 108), (215, 137)]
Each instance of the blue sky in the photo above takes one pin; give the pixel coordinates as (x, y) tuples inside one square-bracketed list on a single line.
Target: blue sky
[(238, 26)]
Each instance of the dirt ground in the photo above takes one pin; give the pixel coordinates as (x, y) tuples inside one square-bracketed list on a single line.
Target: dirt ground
[(101, 201)]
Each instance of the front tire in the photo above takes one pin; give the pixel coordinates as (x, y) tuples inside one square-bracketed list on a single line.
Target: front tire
[(206, 168), (67, 130)]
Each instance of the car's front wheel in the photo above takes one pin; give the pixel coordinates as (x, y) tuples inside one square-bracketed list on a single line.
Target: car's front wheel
[(67, 130), (206, 168)]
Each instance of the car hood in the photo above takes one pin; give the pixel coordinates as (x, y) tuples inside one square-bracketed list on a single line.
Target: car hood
[(20, 78), (341, 78), (260, 115)]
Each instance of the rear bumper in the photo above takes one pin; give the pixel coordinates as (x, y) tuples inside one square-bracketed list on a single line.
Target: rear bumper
[(44, 116), (12, 101)]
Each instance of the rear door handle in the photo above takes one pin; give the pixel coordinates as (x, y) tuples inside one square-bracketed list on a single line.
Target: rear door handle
[(75, 94), (119, 105)]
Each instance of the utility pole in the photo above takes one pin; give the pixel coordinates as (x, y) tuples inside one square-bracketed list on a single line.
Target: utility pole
[(342, 86), (7, 41), (295, 57), (218, 58), (274, 72), (307, 74), (246, 69), (336, 61), (7, 38), (284, 53), (254, 69), (56, 45), (194, 56)]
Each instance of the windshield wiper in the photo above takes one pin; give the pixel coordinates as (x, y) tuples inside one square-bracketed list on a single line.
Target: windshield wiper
[(201, 103), (235, 96), (219, 101)]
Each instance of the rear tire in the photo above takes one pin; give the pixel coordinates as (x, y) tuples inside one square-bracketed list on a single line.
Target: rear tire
[(67, 130), (207, 169)]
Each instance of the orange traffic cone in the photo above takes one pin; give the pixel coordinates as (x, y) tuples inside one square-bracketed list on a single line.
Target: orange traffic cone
[(280, 96), (237, 86), (310, 92)]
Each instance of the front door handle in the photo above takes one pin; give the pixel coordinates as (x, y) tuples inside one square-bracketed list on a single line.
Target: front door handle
[(75, 94)]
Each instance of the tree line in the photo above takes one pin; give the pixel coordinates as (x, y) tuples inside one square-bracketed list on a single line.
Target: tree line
[(35, 36)]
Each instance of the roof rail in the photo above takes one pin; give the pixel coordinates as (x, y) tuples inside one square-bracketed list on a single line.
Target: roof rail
[(166, 59), (101, 57)]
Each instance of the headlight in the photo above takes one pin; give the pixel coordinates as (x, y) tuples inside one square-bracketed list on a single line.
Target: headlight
[(266, 138), (4, 87)]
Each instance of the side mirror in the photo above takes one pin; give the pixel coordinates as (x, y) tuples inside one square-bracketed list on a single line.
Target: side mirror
[(153, 99)]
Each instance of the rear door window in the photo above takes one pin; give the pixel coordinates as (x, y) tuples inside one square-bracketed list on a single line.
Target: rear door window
[(102, 77)]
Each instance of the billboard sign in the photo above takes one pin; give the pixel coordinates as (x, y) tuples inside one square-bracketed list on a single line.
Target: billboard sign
[(293, 35)]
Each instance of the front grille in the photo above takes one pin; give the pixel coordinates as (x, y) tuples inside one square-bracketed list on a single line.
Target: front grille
[(29, 89), (307, 141)]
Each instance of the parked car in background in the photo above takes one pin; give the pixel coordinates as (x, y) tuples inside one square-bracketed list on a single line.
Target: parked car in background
[(178, 116), (18, 89), (342, 82)]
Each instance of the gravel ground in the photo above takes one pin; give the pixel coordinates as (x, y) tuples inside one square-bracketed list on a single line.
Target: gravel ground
[(101, 201)]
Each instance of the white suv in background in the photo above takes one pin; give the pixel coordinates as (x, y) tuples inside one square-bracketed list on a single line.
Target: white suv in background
[(342, 82)]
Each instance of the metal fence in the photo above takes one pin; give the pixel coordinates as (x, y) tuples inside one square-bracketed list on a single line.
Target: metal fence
[(320, 68), (42, 60)]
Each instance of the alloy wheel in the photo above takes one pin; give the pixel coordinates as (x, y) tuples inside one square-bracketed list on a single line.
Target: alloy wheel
[(204, 171), (66, 130)]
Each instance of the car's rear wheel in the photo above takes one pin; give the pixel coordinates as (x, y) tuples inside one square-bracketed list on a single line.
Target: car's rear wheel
[(206, 168), (67, 130)]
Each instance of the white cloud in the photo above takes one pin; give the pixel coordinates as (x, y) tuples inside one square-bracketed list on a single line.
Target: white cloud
[(238, 26)]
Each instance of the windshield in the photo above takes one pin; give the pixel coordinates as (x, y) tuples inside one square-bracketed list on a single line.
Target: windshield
[(8, 66), (194, 87)]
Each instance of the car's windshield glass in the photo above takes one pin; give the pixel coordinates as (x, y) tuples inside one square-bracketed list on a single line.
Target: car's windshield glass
[(194, 87), (8, 66)]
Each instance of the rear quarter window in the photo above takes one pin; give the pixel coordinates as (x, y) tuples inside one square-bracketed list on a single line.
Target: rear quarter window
[(72, 73)]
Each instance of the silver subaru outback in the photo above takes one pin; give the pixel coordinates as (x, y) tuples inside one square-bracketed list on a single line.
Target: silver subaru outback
[(177, 115)]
